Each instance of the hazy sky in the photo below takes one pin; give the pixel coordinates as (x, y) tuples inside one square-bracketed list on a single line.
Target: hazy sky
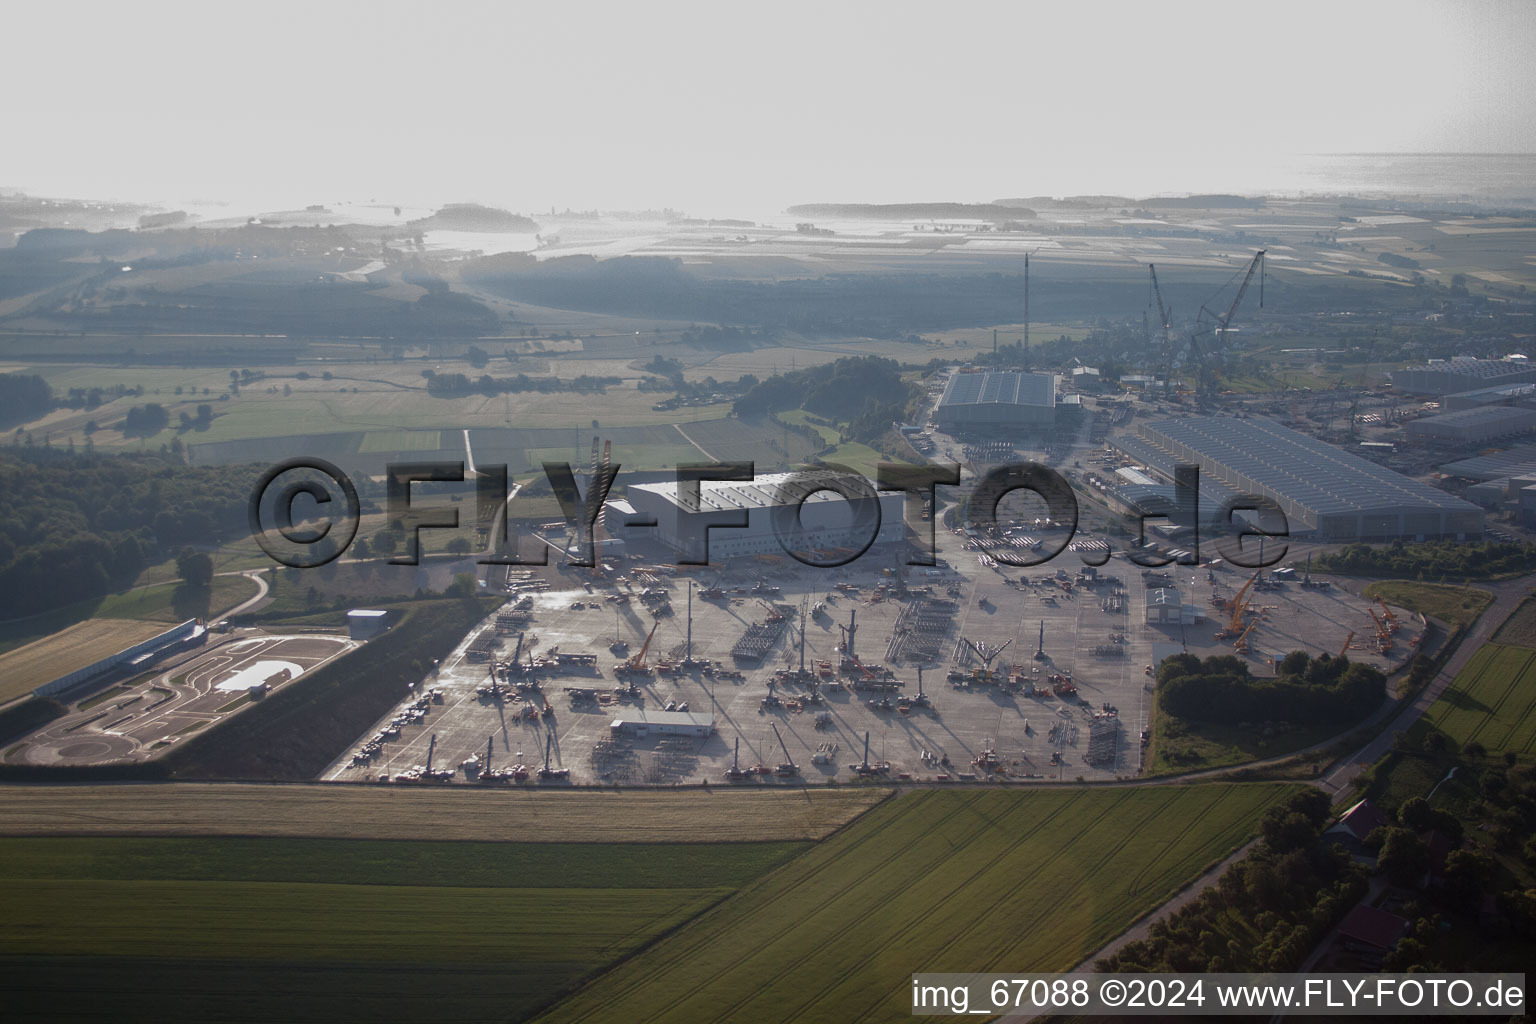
[(714, 107)]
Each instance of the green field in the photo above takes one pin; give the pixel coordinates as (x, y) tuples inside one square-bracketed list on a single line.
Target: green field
[(392, 862), (169, 602), (800, 417), (320, 921), (930, 881), (1492, 702), (1178, 746), (1520, 628), (1459, 606), (860, 458), (150, 601), (513, 925), (628, 457), (401, 441)]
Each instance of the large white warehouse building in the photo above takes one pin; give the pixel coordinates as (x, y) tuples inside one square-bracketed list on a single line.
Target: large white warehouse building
[(826, 522), (1323, 490)]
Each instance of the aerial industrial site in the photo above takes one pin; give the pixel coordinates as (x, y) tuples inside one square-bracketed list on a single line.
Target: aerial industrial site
[(699, 515)]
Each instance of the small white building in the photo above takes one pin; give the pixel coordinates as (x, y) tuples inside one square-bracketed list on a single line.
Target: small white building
[(640, 722), (366, 623), (1165, 607)]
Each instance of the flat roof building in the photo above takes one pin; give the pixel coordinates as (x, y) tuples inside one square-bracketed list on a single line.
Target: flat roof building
[(1472, 426), (1454, 376), (827, 523), (1517, 460), (366, 623), (1323, 490), (1502, 394), (1165, 607), (974, 401), (640, 722)]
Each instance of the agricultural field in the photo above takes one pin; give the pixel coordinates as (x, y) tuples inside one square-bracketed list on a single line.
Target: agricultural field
[(455, 813), (512, 925), (390, 401), (401, 441), (933, 880), (42, 661), (1458, 606), (1519, 629), (1492, 702)]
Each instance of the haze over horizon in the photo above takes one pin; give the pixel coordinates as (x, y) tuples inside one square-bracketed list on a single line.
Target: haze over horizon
[(629, 108)]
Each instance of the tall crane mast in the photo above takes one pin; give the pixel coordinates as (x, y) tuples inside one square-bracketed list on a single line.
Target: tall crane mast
[(1165, 318), (1224, 321), (788, 767), (849, 631)]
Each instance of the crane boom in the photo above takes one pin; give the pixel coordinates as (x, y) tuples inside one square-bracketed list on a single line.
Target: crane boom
[(787, 758), (1225, 321), (1239, 605), (638, 661), (1165, 318)]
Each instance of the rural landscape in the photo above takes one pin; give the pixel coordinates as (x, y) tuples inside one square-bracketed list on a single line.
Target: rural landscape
[(520, 549)]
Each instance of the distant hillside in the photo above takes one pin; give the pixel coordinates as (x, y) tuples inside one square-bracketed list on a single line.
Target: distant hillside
[(1068, 202), (912, 211), (1204, 203), (473, 217)]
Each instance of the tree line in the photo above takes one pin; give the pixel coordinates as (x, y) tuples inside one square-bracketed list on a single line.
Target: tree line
[(76, 526), (1431, 560), (455, 385), (866, 391), (1305, 691)]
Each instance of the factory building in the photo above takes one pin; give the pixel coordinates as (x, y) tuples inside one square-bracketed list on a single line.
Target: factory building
[(1493, 493), (1324, 491), (1523, 395), (1527, 507), (1454, 376), (1517, 460), (827, 522), (1472, 426), (998, 401)]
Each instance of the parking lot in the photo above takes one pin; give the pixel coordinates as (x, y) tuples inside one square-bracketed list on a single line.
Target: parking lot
[(1073, 704)]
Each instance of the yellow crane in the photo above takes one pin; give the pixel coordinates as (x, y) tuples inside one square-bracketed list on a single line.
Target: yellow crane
[(636, 663), (1242, 640), (1383, 637), (1239, 607)]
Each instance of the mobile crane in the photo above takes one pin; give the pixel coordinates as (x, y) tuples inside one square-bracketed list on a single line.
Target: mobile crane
[(787, 767)]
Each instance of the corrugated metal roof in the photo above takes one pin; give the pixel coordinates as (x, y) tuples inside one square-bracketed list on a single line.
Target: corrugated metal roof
[(1517, 460), (1303, 470), (1007, 388)]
